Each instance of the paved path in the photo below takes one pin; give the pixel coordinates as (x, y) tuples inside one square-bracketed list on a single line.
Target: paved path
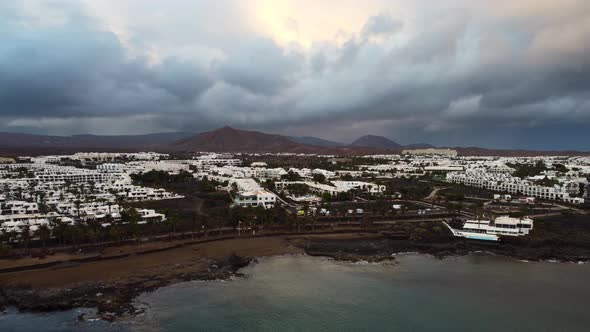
[(434, 192)]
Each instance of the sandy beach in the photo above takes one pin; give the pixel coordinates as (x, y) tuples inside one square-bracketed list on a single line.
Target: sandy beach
[(186, 258), (110, 278), (111, 283)]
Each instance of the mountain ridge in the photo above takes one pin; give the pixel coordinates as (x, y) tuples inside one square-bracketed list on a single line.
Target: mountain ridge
[(228, 139), (311, 140), (374, 141), (87, 140), (224, 139)]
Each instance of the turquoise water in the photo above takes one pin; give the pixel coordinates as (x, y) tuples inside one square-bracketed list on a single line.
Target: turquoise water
[(419, 293)]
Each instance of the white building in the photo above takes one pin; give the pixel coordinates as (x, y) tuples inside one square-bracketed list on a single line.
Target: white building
[(503, 182), (431, 151), (255, 198), (367, 187)]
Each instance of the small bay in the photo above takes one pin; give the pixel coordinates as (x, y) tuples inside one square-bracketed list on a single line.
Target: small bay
[(415, 293)]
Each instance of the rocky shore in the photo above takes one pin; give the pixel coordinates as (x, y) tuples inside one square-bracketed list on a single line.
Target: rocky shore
[(113, 299), (379, 249), (111, 286)]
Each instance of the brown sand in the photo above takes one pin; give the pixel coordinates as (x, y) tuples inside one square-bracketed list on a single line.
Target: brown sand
[(189, 258)]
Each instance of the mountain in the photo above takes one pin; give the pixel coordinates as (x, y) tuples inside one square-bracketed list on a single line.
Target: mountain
[(310, 140), (225, 139), (372, 141), (228, 139), (131, 140), (35, 144)]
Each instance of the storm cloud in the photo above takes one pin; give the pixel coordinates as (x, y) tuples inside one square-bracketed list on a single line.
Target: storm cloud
[(511, 74)]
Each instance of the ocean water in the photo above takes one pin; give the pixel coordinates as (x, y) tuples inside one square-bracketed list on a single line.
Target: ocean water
[(418, 293)]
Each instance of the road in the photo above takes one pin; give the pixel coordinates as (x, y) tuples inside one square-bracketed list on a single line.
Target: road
[(434, 192)]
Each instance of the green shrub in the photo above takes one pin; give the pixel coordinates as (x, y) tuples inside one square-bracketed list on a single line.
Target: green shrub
[(5, 249)]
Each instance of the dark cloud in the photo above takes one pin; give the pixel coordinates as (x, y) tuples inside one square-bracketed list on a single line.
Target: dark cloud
[(181, 79), (259, 66), (382, 24)]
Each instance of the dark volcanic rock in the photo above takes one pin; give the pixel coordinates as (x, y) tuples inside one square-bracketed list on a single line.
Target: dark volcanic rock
[(112, 299), (373, 141), (443, 247)]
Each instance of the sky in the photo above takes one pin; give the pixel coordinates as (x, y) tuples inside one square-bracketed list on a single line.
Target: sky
[(500, 74)]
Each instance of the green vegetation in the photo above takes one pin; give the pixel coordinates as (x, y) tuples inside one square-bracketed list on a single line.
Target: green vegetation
[(161, 177), (312, 162), (181, 183), (269, 184), (547, 182), (297, 189), (526, 170), (291, 176), (339, 197), (346, 177), (321, 178), (23, 173), (560, 168), (412, 188), (5, 249), (454, 195)]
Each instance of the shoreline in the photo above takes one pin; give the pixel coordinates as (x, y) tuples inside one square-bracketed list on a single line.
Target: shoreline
[(111, 285)]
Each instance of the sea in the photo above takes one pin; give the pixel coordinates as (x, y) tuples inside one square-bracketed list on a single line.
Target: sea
[(478, 292)]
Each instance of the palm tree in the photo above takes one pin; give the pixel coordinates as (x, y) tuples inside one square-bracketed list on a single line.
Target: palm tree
[(77, 203), (115, 233), (173, 221), (4, 236), (75, 233), (25, 236), (132, 217), (193, 224), (366, 222), (44, 234), (92, 235), (58, 229), (12, 235)]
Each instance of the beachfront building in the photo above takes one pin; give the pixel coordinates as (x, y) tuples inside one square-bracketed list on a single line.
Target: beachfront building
[(149, 215), (255, 198), (366, 187), (504, 182), (334, 188)]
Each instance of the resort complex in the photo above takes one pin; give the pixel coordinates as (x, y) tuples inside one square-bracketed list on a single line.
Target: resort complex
[(38, 194)]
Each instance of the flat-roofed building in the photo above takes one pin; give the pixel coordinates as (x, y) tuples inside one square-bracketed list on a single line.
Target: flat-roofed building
[(431, 151), (260, 197)]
